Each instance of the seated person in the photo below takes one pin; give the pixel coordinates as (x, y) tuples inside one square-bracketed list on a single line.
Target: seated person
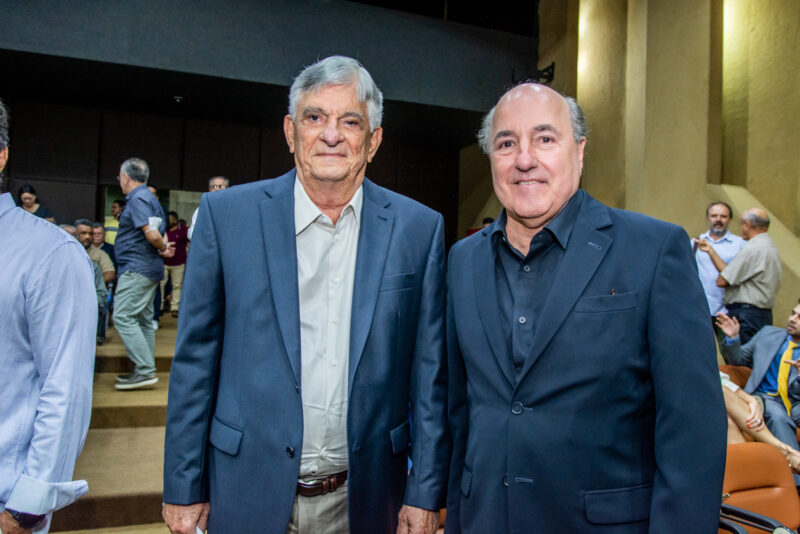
[(772, 356)]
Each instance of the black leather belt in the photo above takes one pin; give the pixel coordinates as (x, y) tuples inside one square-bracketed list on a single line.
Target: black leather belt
[(743, 305), (321, 486)]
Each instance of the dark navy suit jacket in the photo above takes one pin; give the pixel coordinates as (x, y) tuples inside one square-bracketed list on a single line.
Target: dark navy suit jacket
[(235, 419), (616, 422)]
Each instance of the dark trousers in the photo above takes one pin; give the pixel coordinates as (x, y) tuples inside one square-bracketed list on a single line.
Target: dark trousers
[(751, 319)]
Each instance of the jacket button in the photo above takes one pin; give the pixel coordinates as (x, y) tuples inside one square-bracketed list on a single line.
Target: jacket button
[(516, 408), (290, 452), (505, 480)]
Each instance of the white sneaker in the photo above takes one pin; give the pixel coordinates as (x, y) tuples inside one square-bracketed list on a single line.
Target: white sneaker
[(155, 324)]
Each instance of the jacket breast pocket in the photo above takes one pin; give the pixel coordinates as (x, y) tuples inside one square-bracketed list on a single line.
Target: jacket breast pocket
[(224, 437), (398, 281), (620, 505), (606, 303)]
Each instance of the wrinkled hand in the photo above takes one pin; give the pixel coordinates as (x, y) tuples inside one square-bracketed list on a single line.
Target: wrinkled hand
[(183, 519), (413, 520), (729, 325), (9, 525)]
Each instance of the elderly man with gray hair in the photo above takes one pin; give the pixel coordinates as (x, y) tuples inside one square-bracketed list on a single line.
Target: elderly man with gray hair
[(752, 278), (139, 246), (313, 320)]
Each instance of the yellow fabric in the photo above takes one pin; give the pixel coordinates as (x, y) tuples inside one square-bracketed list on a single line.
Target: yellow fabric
[(111, 227), (783, 377)]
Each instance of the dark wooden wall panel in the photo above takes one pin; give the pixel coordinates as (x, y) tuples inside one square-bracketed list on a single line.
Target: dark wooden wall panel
[(67, 200), (157, 140), (275, 156), (55, 142), (430, 176), (383, 169), (218, 148)]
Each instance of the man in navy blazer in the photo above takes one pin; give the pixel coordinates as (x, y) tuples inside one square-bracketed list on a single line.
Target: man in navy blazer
[(260, 340), (584, 394)]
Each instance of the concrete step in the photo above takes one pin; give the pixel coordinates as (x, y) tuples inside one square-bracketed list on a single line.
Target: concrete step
[(110, 357), (124, 469), (112, 408)]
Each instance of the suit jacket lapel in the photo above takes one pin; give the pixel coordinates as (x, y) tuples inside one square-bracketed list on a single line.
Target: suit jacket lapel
[(280, 247), (487, 303), (377, 221), (585, 251)]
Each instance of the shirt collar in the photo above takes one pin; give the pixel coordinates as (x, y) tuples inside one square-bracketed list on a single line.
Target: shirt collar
[(306, 212), (707, 236), (6, 203), (136, 191), (560, 227)]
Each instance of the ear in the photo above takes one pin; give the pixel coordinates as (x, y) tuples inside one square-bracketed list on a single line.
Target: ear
[(3, 158), (581, 147), (374, 142), (288, 131)]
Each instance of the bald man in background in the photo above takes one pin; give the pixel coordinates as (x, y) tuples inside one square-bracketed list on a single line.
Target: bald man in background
[(752, 278)]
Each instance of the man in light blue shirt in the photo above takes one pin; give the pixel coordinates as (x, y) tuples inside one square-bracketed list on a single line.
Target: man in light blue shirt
[(727, 245), (49, 315)]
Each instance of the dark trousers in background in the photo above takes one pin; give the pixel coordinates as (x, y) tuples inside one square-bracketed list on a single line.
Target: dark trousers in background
[(751, 319)]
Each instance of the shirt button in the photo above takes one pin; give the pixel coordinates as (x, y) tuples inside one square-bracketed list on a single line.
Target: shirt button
[(335, 279), (516, 408), (336, 237), (334, 363), (526, 268), (522, 320)]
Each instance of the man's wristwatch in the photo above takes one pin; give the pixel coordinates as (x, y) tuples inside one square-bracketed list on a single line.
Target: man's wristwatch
[(26, 520)]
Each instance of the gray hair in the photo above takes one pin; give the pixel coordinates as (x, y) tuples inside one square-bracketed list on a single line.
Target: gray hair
[(69, 229), (339, 70), (98, 224), (136, 169), (579, 128), (756, 221), (227, 182)]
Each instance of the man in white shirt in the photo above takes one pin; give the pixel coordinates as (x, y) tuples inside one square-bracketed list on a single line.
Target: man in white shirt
[(726, 245), (313, 322)]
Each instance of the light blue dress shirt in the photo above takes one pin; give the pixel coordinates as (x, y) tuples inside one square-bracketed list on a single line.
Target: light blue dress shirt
[(727, 248), (48, 317)]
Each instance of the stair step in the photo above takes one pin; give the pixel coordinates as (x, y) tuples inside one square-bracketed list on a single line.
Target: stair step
[(112, 358), (124, 469), (112, 408)]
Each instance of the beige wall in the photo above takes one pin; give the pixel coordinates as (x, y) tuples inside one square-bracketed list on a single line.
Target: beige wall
[(761, 103)]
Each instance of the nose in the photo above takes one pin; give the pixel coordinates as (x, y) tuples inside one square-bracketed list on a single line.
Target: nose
[(526, 157), (330, 134)]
